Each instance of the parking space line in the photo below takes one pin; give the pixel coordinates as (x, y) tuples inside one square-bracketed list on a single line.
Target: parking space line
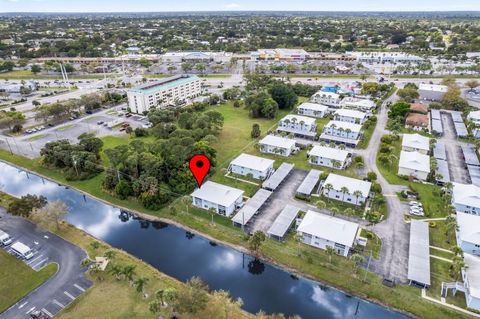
[(69, 295), (55, 301), (31, 261), (22, 305), (79, 288), (31, 309), (47, 312), (39, 263)]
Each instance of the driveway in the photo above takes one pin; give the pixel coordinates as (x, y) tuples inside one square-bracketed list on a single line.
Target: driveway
[(60, 290)]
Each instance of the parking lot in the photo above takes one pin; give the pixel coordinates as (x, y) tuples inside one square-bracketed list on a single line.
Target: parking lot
[(60, 290), (456, 162)]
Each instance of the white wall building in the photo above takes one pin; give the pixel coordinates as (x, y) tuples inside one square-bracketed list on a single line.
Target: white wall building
[(223, 199), (466, 198), (253, 166), (324, 231), (358, 190), (164, 92), (327, 98), (414, 164), (277, 145), (359, 104), (196, 57), (471, 280), (468, 233), (351, 116), (343, 129), (313, 109), (327, 156), (474, 117), (300, 126), (280, 55), (432, 92), (416, 142)]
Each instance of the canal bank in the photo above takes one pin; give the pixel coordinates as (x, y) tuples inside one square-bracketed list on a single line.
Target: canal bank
[(385, 292)]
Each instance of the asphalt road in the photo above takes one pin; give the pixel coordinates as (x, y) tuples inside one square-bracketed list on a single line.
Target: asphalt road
[(60, 290)]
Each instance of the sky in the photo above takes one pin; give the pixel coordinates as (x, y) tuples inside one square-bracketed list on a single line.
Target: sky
[(232, 5)]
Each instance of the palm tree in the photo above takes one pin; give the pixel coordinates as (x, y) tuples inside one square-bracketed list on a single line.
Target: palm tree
[(450, 227), (336, 164), (159, 295), (140, 284), (334, 211), (117, 271), (212, 212), (170, 295), (457, 251), (328, 187), (129, 271), (330, 252), (186, 201), (456, 267), (342, 146), (154, 307), (356, 259), (321, 204), (344, 190), (357, 194)]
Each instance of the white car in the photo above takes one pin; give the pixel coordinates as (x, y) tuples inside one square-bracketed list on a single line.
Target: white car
[(416, 211), (414, 203)]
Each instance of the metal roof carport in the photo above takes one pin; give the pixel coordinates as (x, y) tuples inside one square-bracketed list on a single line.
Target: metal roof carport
[(283, 222), (252, 206), (470, 155), (277, 178), (309, 183), (419, 254)]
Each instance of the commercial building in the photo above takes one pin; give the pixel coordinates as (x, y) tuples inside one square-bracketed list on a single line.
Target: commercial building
[(327, 98), (414, 164), (329, 157), (350, 116), (196, 57), (432, 92), (223, 199), (169, 91), (299, 126), (279, 55), (416, 143), (277, 145), (324, 231), (468, 233), (365, 105), (466, 198), (252, 166), (346, 189), (312, 109)]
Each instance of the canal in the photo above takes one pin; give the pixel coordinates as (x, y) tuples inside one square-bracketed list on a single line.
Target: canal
[(182, 255)]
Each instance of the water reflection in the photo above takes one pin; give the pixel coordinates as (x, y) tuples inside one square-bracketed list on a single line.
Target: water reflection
[(182, 255)]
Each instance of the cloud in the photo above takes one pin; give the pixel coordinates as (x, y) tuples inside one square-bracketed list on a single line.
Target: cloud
[(232, 5)]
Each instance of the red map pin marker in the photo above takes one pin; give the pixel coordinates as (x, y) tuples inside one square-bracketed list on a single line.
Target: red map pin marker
[(199, 166)]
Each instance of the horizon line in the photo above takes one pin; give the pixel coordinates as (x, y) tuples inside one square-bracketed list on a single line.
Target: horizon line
[(239, 10)]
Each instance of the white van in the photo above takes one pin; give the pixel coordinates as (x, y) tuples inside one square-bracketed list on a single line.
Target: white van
[(22, 250), (5, 238)]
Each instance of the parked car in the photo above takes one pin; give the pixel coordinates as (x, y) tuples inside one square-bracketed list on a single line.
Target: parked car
[(100, 122), (37, 314), (414, 203)]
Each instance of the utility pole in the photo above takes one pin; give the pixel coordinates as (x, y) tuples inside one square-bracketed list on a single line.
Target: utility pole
[(368, 266), (9, 147)]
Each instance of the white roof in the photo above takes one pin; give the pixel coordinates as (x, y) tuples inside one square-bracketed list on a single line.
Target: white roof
[(362, 103), (305, 119), (313, 107), (414, 160), (466, 194), (278, 141), (329, 152), (416, 141), (475, 115), (350, 113), (473, 274), (345, 125), (253, 162), (330, 94), (329, 227), (20, 247), (353, 184), (218, 193), (433, 87), (468, 227)]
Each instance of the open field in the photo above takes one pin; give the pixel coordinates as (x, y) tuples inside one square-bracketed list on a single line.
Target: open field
[(17, 279)]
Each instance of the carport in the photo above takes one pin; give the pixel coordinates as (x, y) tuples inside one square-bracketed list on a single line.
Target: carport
[(252, 206), (283, 222), (277, 178)]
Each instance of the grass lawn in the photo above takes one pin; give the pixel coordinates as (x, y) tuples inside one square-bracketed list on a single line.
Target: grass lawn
[(374, 243), (17, 279), (441, 253), (439, 270), (367, 135), (65, 127), (36, 137), (438, 237)]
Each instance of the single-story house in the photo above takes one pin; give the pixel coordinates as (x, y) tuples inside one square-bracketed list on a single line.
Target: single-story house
[(417, 121), (277, 145), (416, 143), (466, 198), (252, 166), (329, 157), (312, 109), (322, 231), (432, 92), (327, 98), (414, 164), (300, 126), (468, 233), (359, 104), (351, 116), (346, 189), (419, 108), (346, 130), (222, 198)]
